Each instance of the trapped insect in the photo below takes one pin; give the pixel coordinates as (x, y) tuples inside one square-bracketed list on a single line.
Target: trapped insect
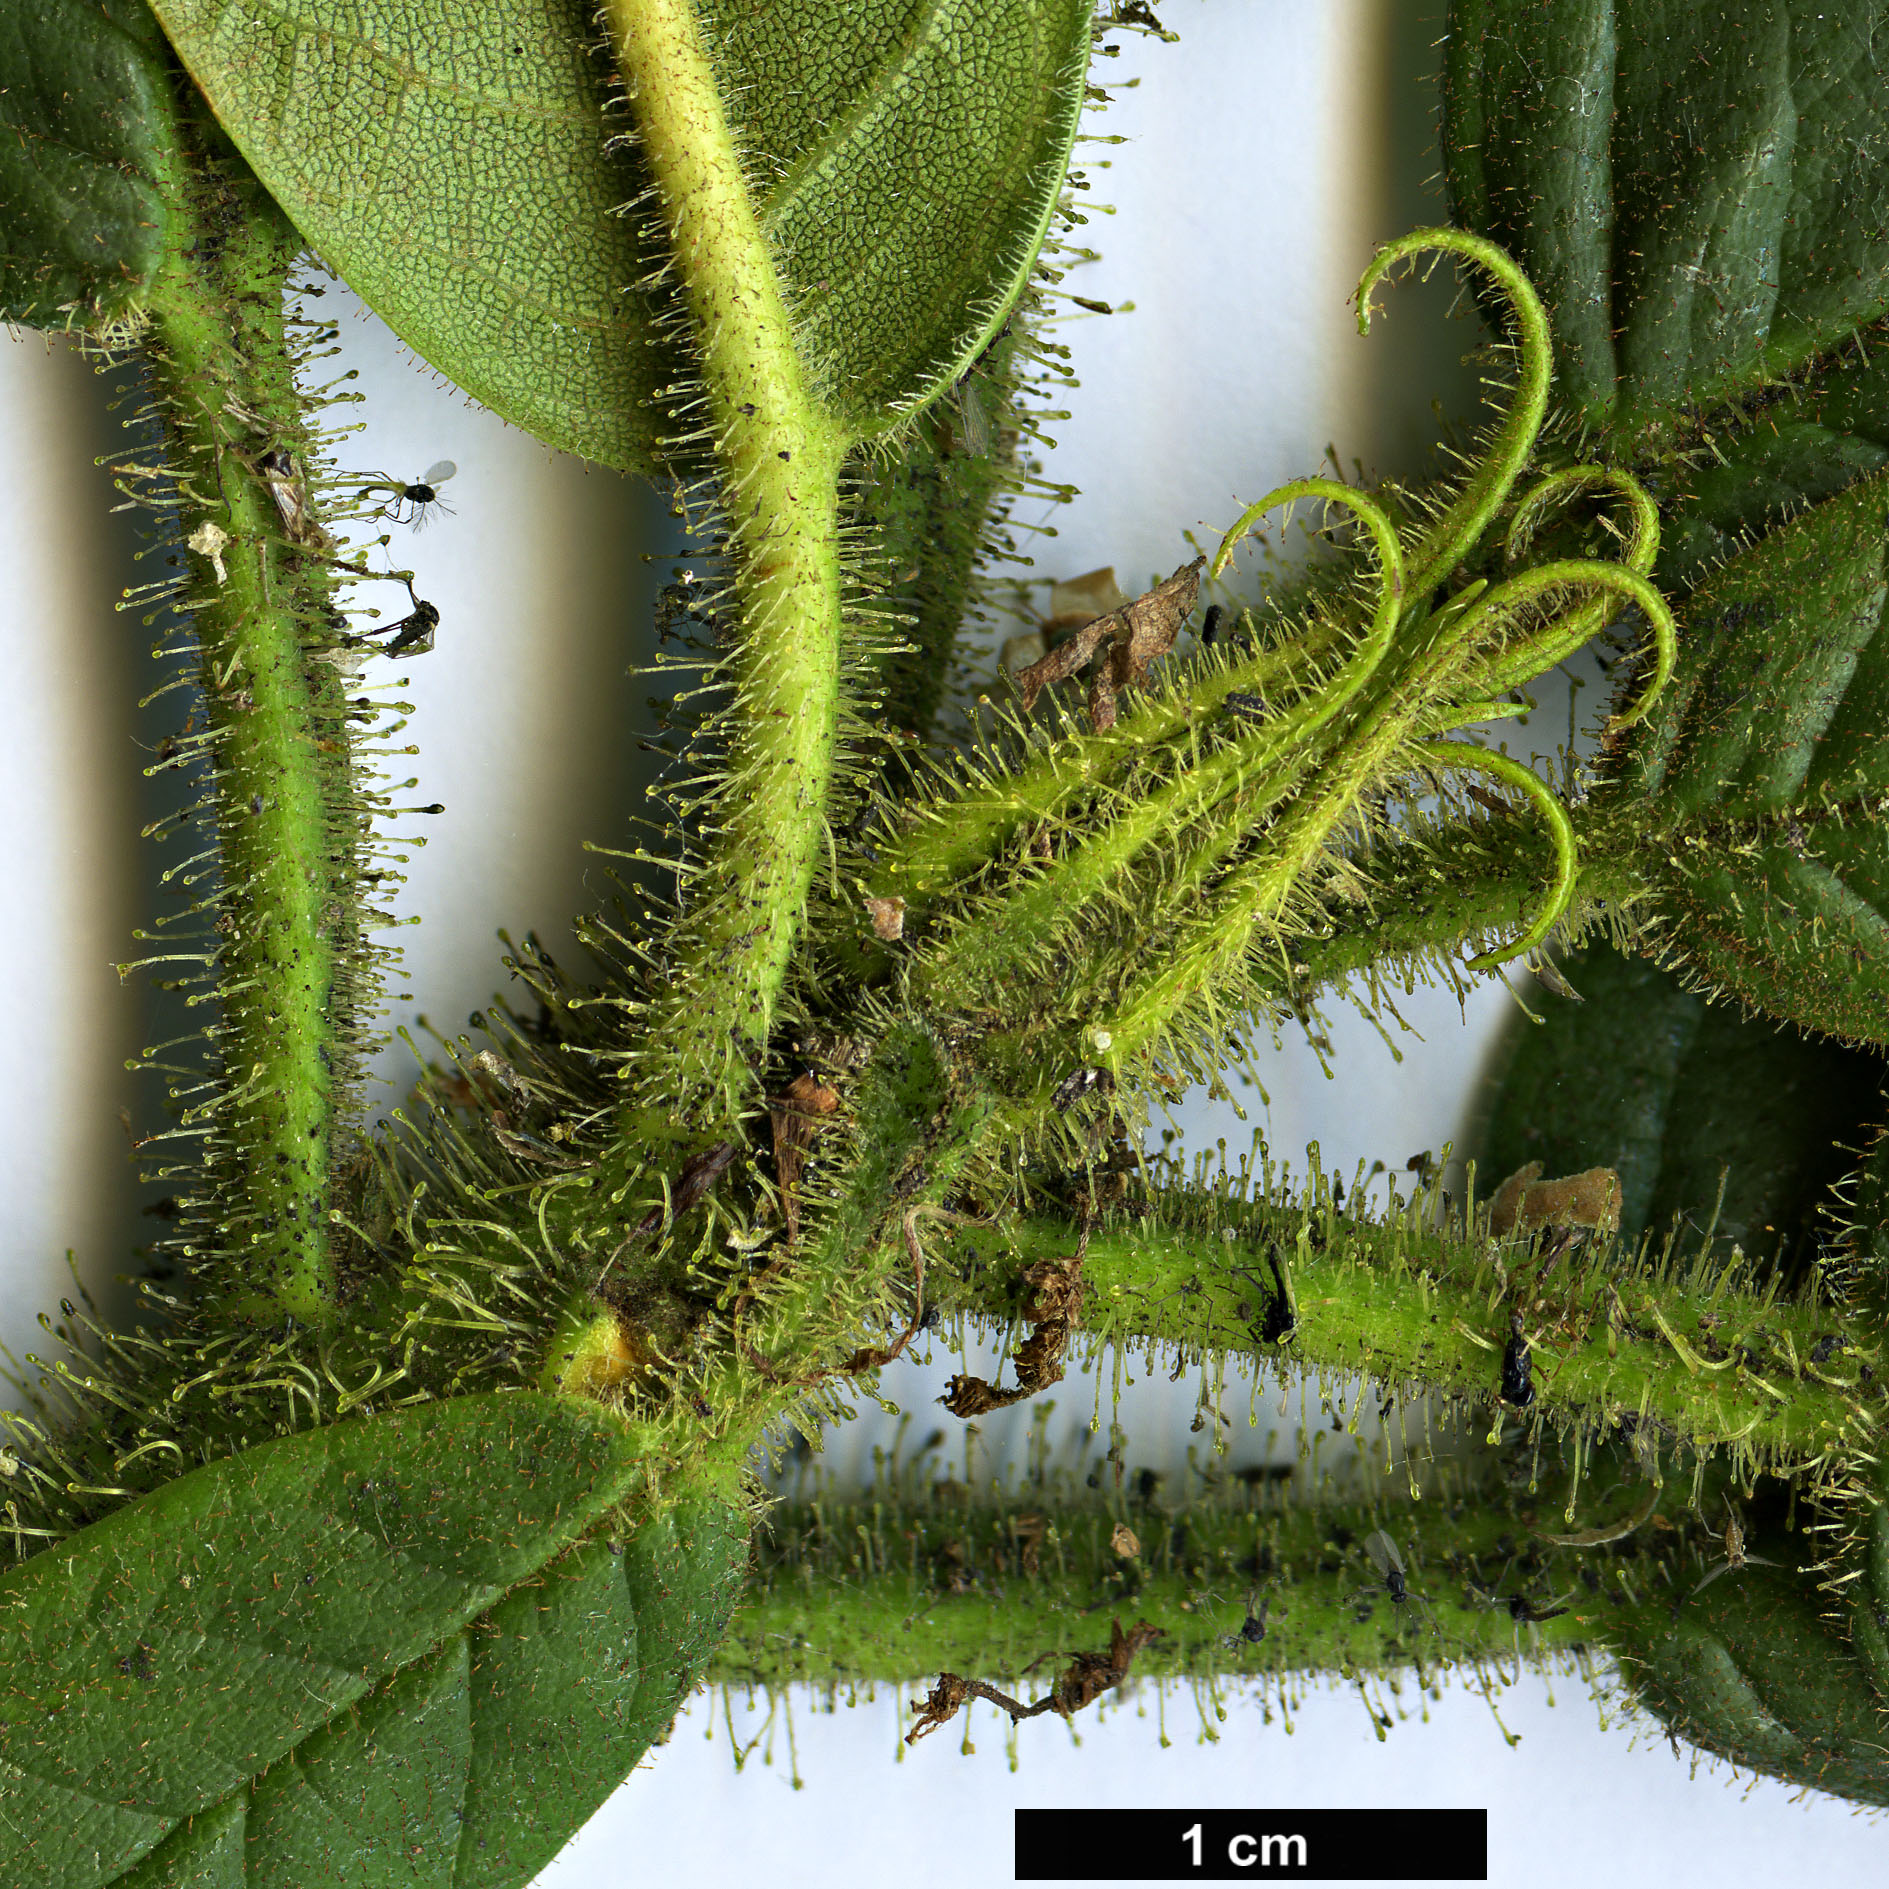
[(1389, 1562), (1735, 1556), (279, 473), (1252, 1629), (1517, 1377), (420, 496), (411, 635)]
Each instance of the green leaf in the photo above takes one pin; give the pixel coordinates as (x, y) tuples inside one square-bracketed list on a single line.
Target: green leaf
[(1646, 1078), (472, 1768), (1762, 776), (164, 1658), (908, 159), (1751, 1669), (87, 138), (1795, 447), (931, 513), (1869, 1234), (573, 1680), (919, 148), (1698, 192)]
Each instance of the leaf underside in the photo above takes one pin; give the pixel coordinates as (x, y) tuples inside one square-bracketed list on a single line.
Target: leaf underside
[(1695, 1108), (84, 120), (907, 160), (341, 1652), (1765, 767), (1753, 1669), (1697, 191)]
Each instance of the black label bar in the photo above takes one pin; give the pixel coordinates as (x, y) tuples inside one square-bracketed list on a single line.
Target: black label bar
[(1252, 1845)]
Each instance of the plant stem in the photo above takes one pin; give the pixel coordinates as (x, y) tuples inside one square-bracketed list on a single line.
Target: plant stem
[(902, 1583), (966, 834), (285, 938), (777, 455), (1693, 1346)]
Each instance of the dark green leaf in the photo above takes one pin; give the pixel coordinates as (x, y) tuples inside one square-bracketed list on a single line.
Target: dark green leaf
[(1763, 773), (573, 1680), (1796, 446), (1699, 191), (930, 511), (1752, 1669), (912, 156), (1674, 1094), (1870, 1239), (472, 1768), (168, 1655), (86, 137)]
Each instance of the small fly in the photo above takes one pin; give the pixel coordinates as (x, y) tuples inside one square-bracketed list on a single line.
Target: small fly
[(1253, 1628), (420, 497), (1389, 1562), (411, 635)]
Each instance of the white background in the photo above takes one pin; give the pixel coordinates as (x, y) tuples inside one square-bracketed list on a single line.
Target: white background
[(1271, 149)]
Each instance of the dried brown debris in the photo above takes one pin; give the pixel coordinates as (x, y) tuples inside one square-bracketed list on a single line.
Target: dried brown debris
[(699, 1173), (1030, 1532), (1525, 1201), (796, 1116), (1131, 639), (1051, 1308), (1086, 1678)]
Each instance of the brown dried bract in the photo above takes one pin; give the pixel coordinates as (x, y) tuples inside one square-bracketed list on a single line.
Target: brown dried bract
[(1052, 1304), (1525, 1201), (1087, 1677), (874, 1356), (1133, 638), (699, 1173), (796, 1117)]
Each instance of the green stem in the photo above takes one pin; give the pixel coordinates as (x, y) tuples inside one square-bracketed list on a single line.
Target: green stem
[(962, 836), (285, 941), (777, 454), (940, 1575), (1468, 756), (1690, 1345), (1238, 784), (1455, 533)]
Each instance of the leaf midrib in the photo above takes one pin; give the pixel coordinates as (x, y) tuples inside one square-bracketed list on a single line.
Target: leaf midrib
[(871, 98)]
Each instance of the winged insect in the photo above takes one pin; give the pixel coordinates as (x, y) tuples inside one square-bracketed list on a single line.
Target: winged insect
[(413, 501), (1736, 1557), (1252, 1630), (411, 635), (1388, 1560)]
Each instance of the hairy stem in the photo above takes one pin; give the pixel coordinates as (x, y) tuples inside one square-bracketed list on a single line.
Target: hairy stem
[(777, 455), (284, 934), (935, 1574), (1690, 1350)]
